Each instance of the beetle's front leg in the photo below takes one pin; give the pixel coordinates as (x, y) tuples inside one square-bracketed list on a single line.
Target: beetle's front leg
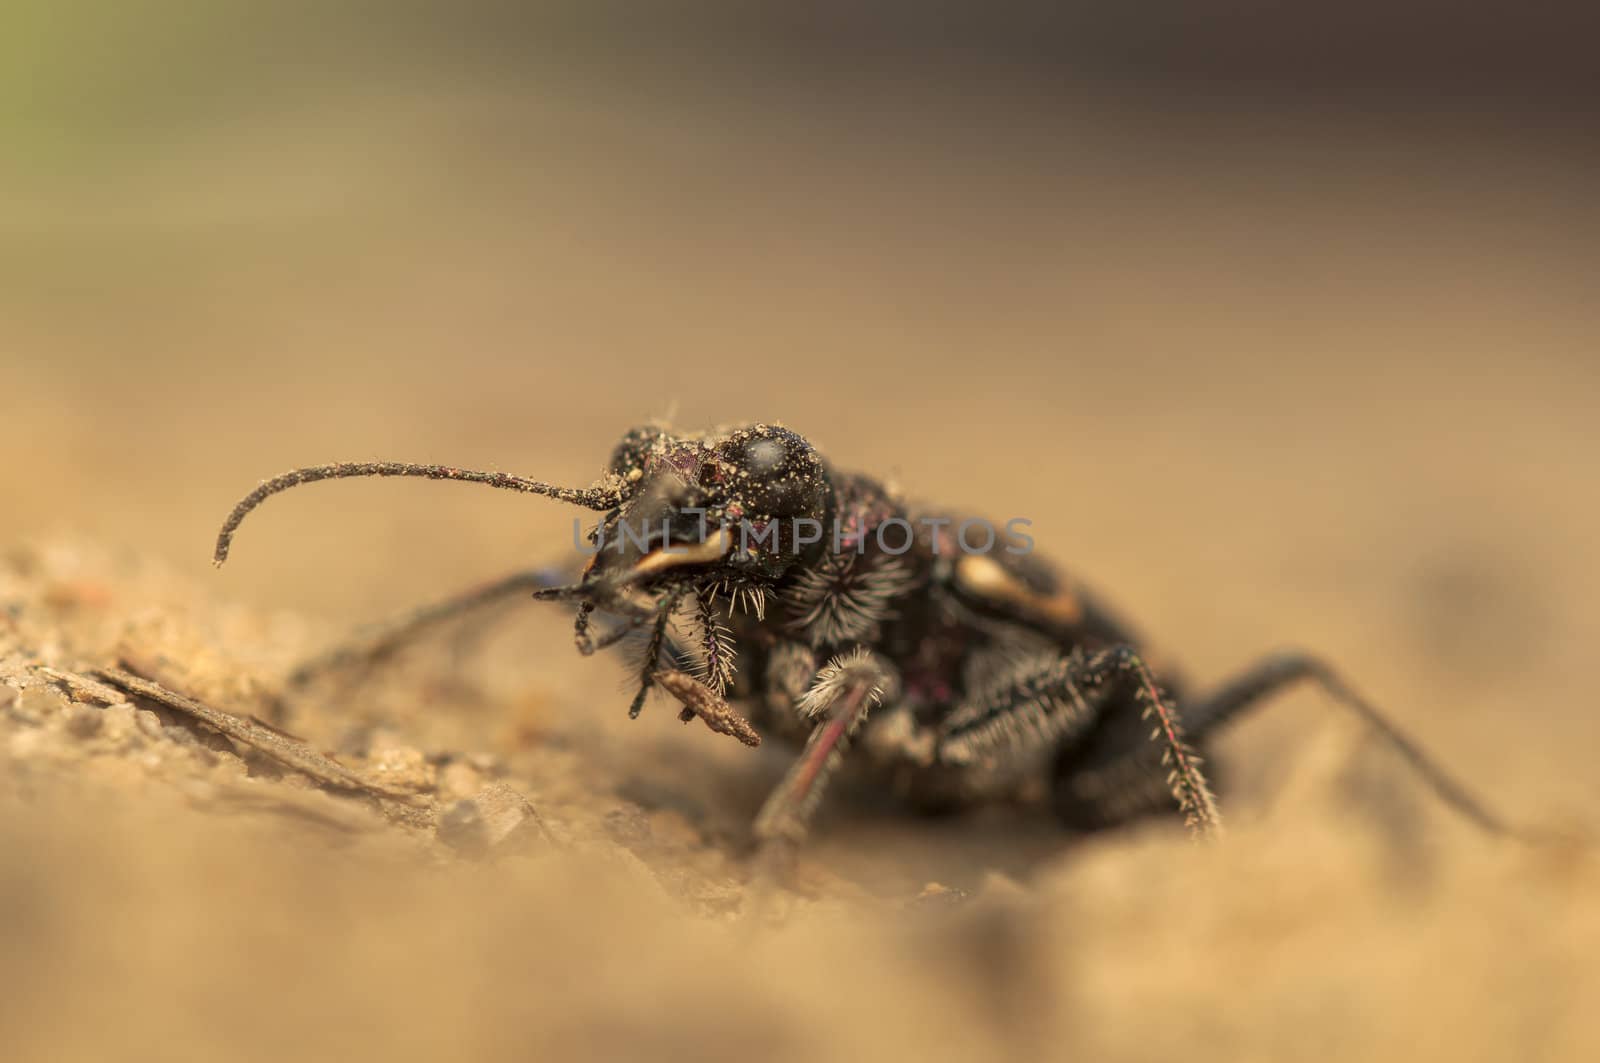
[(836, 703), (374, 647)]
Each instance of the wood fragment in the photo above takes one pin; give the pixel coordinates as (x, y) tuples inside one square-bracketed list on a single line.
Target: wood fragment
[(290, 752), (82, 688)]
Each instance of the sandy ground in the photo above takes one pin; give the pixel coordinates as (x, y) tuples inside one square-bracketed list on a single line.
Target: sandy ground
[(1265, 378)]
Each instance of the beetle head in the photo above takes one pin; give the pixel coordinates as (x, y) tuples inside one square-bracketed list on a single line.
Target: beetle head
[(704, 509)]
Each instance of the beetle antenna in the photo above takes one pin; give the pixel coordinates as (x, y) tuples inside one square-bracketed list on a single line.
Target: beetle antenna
[(599, 497)]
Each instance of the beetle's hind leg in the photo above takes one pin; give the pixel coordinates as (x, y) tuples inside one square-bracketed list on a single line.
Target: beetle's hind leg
[(1276, 672), (1112, 778)]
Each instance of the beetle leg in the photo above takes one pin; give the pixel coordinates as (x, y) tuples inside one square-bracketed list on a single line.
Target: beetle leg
[(838, 701), (1273, 674), (1078, 703), (364, 652), (1018, 715), (1123, 666)]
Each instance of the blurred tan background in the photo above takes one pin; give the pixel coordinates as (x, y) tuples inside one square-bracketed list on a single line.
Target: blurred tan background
[(1279, 326)]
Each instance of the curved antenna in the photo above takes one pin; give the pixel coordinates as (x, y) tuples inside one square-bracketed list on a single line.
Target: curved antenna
[(596, 497)]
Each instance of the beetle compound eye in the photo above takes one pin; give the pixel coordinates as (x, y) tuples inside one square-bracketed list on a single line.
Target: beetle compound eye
[(776, 472), (765, 457), (787, 497)]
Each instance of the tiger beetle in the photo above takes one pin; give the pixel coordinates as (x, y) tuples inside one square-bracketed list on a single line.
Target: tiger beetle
[(950, 663)]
